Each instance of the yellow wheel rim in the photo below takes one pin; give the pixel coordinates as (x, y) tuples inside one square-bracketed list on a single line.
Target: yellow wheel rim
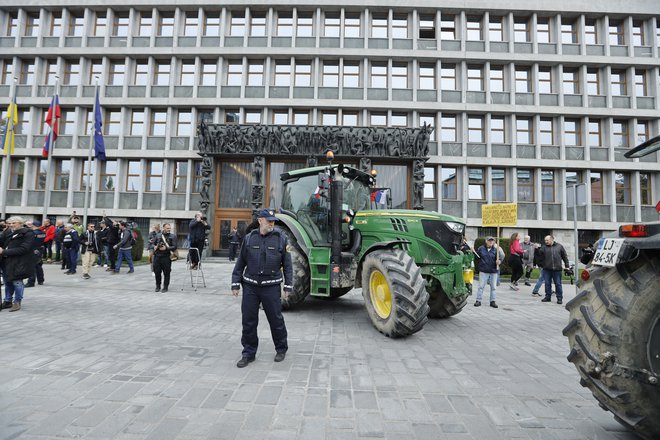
[(381, 296)]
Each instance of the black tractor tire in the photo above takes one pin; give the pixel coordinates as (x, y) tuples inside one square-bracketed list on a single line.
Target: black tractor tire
[(337, 292), (614, 337), (396, 300), (301, 274), (441, 306)]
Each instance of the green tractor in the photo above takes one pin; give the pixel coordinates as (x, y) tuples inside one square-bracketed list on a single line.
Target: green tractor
[(409, 263)]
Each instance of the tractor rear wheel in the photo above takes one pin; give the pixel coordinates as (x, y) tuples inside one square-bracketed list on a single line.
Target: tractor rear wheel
[(441, 306), (300, 274), (614, 336), (394, 293)]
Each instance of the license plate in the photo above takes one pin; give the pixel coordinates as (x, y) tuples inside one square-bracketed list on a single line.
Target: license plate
[(607, 252)]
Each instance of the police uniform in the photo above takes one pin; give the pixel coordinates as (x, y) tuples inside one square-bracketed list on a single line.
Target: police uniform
[(259, 270), (162, 261), (37, 250)]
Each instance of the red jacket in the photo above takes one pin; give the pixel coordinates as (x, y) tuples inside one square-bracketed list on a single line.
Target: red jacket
[(50, 232), (516, 248)]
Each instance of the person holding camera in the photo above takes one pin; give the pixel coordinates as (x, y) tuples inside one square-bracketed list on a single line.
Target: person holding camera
[(164, 253), (198, 228)]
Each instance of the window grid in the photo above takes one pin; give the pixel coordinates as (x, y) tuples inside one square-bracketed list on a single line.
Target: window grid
[(525, 185)]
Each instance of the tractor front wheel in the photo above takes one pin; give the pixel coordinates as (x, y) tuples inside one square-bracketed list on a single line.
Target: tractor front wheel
[(394, 293), (300, 274), (440, 304)]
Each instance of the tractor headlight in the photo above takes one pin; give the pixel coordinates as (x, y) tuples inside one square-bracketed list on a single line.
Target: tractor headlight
[(456, 227)]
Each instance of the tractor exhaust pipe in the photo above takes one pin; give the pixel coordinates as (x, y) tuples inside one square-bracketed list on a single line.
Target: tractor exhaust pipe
[(336, 202)]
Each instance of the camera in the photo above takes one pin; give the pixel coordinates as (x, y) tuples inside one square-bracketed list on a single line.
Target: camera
[(204, 218)]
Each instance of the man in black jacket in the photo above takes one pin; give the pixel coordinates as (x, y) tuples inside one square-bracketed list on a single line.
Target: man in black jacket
[(164, 246), (124, 248), (38, 250), (112, 240), (553, 255), (18, 261), (198, 228), (90, 249)]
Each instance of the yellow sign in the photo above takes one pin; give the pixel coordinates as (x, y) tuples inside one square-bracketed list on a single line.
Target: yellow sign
[(499, 214)]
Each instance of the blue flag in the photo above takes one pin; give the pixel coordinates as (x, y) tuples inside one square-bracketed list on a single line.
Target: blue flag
[(99, 145)]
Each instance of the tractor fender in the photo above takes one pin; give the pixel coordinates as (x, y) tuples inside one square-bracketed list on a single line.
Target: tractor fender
[(296, 230), (374, 247)]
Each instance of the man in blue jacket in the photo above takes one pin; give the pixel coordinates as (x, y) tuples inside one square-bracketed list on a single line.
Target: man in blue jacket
[(487, 266)]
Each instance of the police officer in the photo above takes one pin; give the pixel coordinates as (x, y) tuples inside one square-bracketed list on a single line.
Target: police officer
[(234, 241), (259, 269), (164, 247)]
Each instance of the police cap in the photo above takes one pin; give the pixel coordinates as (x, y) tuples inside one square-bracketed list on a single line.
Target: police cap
[(268, 214)]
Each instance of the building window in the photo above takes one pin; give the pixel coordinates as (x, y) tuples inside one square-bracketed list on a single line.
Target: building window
[(137, 123), (209, 71), (498, 184), (521, 30), (133, 173), (162, 75), (144, 25), (349, 119), (547, 186), (305, 25), (283, 74), (158, 123), (237, 25), (86, 175), (31, 26), (590, 32), (71, 74), (620, 133), (497, 131), (258, 25), (108, 175), (449, 184), (190, 24), (23, 126), (331, 25), (429, 121), (426, 77), (255, 73), (17, 174), (545, 80), (641, 87), (448, 130), (95, 72), (525, 185), (8, 73), (352, 26), (76, 26), (117, 74), (154, 177), (593, 82), (427, 27), (211, 26), (569, 33), (351, 76), (595, 133), (379, 26), (645, 189), (329, 118), (546, 131), (379, 76), (400, 26), (476, 184), (68, 122), (232, 116), (622, 188), (234, 73), (399, 76), (184, 123), (496, 79), (448, 27), (12, 25), (643, 134), (301, 117), (596, 188), (166, 26), (377, 119), (495, 29), (100, 25), (638, 36), (280, 117), (616, 33), (448, 77), (618, 81), (474, 31), (543, 30), (429, 183), (180, 176), (571, 82), (187, 76), (475, 78), (399, 120), (285, 24), (572, 132), (141, 73), (523, 80), (40, 182), (27, 73), (303, 74), (524, 134), (475, 129), (330, 74), (62, 174), (253, 116)]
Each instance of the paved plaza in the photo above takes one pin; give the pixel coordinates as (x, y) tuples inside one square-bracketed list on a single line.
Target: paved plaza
[(107, 358)]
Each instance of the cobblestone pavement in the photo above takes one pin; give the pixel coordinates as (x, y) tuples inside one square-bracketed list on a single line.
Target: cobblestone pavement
[(107, 358)]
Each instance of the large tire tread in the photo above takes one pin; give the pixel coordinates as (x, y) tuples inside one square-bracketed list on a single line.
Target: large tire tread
[(301, 274)]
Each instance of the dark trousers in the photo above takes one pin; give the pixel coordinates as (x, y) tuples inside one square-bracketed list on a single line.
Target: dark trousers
[(48, 249), (112, 255), (72, 260), (65, 258), (38, 274), (233, 247), (58, 250), (516, 267), (194, 256), (551, 276), (162, 266), (269, 297)]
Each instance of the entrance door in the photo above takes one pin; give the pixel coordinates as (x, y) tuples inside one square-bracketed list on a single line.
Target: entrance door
[(224, 223)]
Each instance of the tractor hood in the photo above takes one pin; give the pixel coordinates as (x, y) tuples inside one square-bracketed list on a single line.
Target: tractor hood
[(360, 216)]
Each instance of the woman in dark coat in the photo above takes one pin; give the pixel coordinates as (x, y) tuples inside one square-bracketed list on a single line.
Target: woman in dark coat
[(18, 260)]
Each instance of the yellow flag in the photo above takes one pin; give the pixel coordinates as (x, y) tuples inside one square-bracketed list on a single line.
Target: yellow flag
[(12, 120)]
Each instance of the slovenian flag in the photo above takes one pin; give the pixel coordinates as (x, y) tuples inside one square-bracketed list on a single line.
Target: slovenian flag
[(53, 120), (379, 197)]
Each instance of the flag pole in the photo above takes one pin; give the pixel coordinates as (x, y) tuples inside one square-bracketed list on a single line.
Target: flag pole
[(51, 146), (7, 168), (89, 157)]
